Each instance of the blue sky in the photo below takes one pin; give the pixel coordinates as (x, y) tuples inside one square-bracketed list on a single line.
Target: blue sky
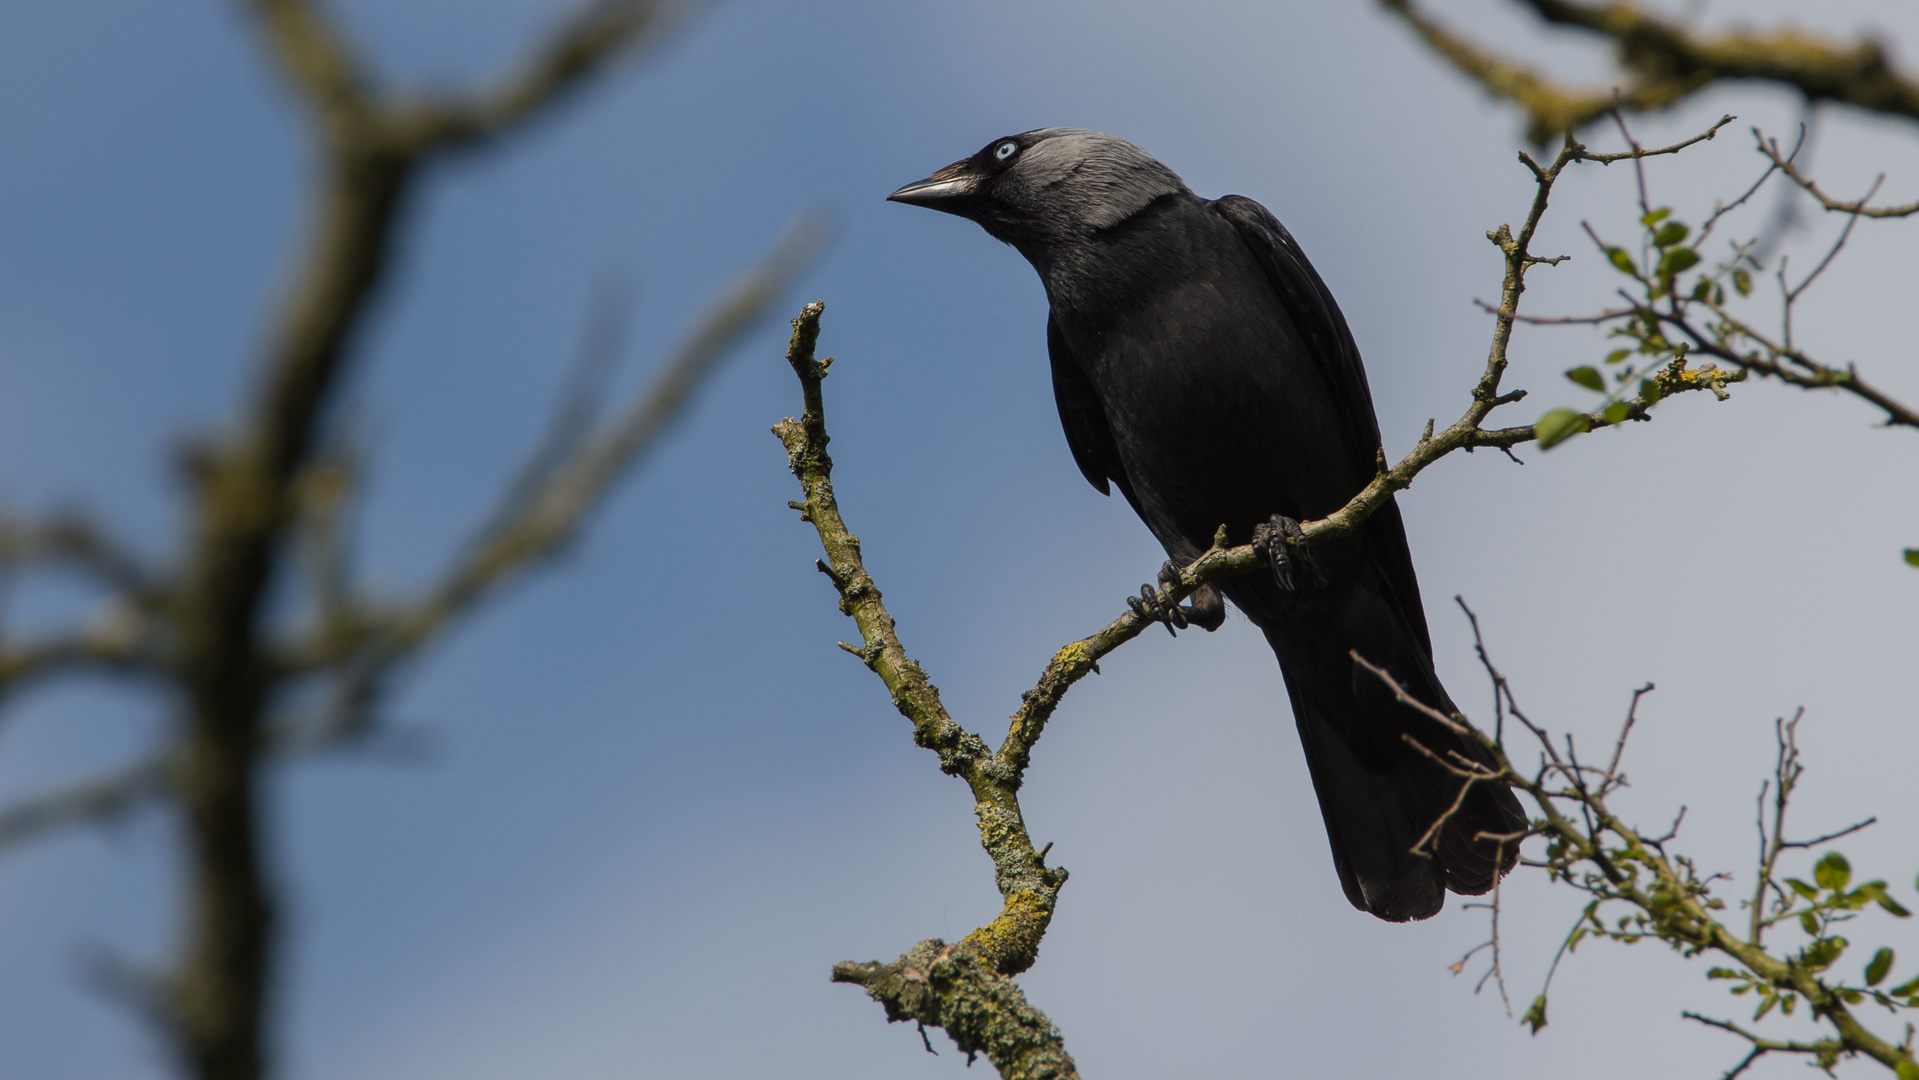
[(651, 803)]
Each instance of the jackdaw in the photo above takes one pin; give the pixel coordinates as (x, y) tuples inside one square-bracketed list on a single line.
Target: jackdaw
[(1201, 365)]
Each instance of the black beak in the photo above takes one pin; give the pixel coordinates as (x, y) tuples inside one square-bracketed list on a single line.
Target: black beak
[(949, 189)]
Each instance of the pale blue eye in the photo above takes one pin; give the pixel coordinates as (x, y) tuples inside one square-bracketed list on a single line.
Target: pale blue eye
[(1005, 150)]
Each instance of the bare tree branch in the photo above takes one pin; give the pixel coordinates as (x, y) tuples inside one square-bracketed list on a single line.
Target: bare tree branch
[(71, 537), (598, 33), (247, 488), (111, 649), (317, 61), (1858, 208), (91, 802), (532, 524), (1667, 899)]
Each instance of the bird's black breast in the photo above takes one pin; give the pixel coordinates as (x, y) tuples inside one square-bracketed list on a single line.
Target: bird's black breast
[(1216, 409)]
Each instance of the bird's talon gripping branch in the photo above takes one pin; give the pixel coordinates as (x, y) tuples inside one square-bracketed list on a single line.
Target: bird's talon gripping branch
[(1147, 606), (1206, 608), (1282, 543), (1206, 611)]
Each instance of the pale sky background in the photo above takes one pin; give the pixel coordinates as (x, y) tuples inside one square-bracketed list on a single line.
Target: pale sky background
[(658, 803)]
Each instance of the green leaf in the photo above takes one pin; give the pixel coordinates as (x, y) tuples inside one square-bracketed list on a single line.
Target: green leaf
[(1723, 973), (1879, 967), (1742, 281), (1832, 871), (1616, 412), (1588, 377), (1912, 559), (1905, 989), (1676, 260), (1802, 888), (1654, 217), (1875, 892), (1808, 923), (1535, 1017), (1558, 425), (1670, 233), (1650, 391), (1617, 355), (1702, 289), (1821, 954), (1623, 261), (1906, 1070)]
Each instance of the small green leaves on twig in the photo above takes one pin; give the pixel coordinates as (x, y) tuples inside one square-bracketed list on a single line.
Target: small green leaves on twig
[(1678, 308), (1639, 889)]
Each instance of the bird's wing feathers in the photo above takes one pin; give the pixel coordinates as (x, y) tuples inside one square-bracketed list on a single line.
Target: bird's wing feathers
[(1314, 314), (1330, 344), (1080, 413)]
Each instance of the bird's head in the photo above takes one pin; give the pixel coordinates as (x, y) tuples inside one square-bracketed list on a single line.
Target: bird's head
[(1047, 186)]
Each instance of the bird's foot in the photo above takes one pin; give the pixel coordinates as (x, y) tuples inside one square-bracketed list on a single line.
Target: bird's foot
[(1206, 611), (1283, 543)]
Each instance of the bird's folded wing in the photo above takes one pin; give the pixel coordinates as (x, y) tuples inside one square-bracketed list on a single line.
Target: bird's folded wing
[(1087, 432)]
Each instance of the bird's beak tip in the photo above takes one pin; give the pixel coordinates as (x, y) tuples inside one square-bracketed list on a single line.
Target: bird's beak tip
[(936, 192)]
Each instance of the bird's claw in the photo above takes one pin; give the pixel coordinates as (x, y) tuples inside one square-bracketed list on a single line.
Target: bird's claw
[(1283, 543), (1206, 611), (1147, 606)]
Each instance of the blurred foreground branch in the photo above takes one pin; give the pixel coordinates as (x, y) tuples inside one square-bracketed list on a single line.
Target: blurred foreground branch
[(269, 500), (1664, 61)]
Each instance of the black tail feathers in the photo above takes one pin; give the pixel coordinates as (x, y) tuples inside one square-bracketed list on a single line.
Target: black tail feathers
[(1382, 798)]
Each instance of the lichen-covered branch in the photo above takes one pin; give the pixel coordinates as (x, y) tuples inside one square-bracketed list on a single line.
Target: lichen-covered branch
[(1664, 62), (951, 987), (965, 988)]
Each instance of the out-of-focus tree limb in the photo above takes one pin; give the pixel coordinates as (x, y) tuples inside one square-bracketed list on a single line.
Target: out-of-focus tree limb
[(567, 476), (89, 802), (272, 489), (535, 523), (374, 147), (317, 61), (1664, 62), (72, 538), (582, 46), (108, 649)]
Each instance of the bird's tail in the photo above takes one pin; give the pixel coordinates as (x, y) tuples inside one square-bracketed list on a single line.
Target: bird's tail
[(1380, 795)]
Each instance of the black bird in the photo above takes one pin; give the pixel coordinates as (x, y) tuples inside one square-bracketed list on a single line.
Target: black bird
[(1201, 365)]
